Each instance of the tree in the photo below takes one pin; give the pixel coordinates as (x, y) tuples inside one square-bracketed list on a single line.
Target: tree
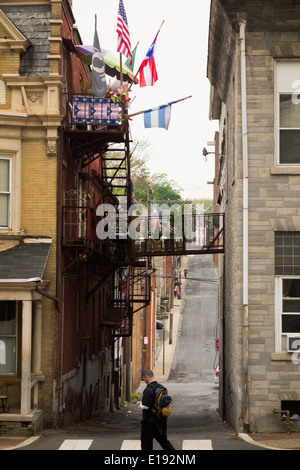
[(157, 184), (165, 193)]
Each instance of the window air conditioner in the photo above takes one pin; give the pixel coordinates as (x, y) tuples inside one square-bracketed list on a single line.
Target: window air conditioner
[(293, 343)]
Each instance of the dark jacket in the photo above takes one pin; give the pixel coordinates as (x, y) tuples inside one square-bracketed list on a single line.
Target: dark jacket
[(149, 400)]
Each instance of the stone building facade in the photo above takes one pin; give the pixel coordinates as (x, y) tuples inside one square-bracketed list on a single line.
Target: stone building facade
[(254, 71)]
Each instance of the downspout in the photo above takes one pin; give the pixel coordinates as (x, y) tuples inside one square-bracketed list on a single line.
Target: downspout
[(245, 413)]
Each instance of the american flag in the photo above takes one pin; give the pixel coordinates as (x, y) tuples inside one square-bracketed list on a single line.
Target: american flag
[(124, 44)]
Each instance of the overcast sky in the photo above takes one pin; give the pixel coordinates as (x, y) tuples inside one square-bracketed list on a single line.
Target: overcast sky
[(181, 61)]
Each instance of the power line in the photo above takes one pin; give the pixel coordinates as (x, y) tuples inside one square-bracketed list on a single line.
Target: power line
[(213, 281)]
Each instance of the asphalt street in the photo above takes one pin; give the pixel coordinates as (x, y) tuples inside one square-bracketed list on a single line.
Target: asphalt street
[(195, 422)]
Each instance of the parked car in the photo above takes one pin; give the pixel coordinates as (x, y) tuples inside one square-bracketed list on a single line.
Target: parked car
[(160, 325), (216, 376)]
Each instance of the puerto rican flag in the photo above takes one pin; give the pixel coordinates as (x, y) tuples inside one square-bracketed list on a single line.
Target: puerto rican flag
[(148, 73)]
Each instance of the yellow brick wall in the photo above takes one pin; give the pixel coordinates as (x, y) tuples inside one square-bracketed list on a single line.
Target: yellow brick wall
[(9, 63), (38, 196), (3, 33), (56, 11), (38, 217), (38, 188)]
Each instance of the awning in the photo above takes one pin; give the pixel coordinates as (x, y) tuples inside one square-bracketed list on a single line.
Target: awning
[(25, 262)]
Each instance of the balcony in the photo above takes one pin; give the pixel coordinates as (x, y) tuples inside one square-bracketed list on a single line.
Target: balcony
[(193, 234), (79, 221), (115, 314), (95, 111), (94, 122)]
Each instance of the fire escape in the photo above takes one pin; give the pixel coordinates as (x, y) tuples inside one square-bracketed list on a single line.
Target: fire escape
[(99, 131)]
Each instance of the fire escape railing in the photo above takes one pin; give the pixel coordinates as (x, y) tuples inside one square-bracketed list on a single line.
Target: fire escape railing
[(193, 234), (95, 111), (79, 220)]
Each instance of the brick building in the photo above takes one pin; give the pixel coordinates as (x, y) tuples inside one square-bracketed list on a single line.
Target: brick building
[(254, 70), (67, 297)]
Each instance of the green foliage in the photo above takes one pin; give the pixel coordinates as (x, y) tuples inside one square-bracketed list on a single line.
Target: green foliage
[(165, 193), (157, 185)]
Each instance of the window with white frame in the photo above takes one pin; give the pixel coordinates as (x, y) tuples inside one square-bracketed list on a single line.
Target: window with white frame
[(5, 192), (8, 336), (287, 112), (287, 287)]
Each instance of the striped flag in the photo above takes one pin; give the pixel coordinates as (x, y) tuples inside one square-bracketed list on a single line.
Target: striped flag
[(124, 44), (158, 117), (148, 72)]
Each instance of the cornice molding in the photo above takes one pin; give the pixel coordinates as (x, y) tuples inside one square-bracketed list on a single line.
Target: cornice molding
[(16, 80), (24, 3)]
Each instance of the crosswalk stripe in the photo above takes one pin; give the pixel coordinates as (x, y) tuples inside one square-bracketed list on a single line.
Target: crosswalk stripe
[(76, 444), (131, 445), (191, 444), (199, 444)]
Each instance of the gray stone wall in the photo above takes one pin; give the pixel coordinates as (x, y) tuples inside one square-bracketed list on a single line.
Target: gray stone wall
[(231, 393), (33, 22), (273, 204)]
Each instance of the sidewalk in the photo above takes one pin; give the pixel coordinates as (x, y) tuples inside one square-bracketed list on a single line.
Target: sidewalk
[(274, 441), (10, 443), (163, 364)]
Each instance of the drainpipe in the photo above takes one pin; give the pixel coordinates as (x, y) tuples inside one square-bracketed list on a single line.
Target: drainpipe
[(245, 225)]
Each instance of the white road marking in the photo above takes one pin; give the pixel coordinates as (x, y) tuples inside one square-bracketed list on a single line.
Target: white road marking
[(131, 445), (76, 444), (200, 444)]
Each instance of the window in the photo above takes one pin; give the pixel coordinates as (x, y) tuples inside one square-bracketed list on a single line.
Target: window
[(287, 113), (287, 310), (287, 287), (5, 192), (8, 336), (2, 92), (287, 253)]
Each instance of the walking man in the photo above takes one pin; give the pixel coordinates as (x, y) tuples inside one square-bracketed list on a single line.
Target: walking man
[(153, 426)]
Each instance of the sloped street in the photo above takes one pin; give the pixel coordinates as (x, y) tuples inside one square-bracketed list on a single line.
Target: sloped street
[(195, 423)]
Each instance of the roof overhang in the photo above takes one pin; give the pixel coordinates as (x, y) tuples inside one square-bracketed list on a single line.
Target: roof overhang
[(24, 264)]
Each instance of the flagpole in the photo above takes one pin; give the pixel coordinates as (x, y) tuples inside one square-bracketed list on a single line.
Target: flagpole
[(142, 62), (121, 72), (164, 106)]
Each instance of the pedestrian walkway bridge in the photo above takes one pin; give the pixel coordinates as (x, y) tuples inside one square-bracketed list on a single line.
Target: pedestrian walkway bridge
[(194, 234)]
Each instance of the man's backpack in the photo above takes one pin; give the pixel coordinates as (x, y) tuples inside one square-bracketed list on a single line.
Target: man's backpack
[(162, 402)]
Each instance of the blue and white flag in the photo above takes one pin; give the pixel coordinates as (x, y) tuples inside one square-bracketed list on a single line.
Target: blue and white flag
[(158, 117)]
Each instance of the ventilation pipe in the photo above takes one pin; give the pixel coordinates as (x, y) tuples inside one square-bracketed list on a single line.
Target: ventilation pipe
[(245, 225)]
